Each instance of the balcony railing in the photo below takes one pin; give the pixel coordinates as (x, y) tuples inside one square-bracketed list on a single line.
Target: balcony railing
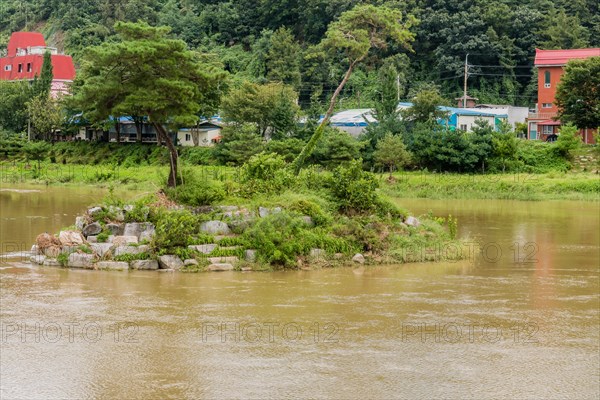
[(542, 115)]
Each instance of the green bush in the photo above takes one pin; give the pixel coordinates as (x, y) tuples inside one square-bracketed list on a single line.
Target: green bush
[(353, 189), (568, 141), (196, 190), (265, 173), (282, 237), (175, 229), (197, 155)]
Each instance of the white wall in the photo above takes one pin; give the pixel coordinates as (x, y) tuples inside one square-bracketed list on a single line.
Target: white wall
[(205, 137)]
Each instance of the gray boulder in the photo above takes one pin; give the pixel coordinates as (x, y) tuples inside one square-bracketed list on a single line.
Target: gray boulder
[(170, 262), (68, 249), (113, 265), (92, 229), (412, 221), (94, 211), (263, 212), (230, 259), (124, 249), (250, 255), (190, 262), (115, 229), (148, 234), (123, 240), (144, 264), (101, 249), (52, 251), (317, 254), (81, 260), (203, 248), (70, 238), (92, 239), (220, 267), (51, 262), (134, 229), (35, 250), (37, 259), (79, 223), (358, 258), (117, 212), (215, 228)]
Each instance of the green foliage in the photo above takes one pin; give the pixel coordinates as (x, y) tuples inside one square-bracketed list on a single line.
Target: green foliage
[(282, 59), (133, 257), (265, 173), (281, 238), (46, 116), (63, 259), (43, 83), (353, 189), (577, 94), (287, 148), (239, 143), (36, 151), (391, 152), (424, 109), (357, 31), (505, 148), (196, 190), (196, 155), (103, 236), (312, 209), (13, 105), (271, 108), (174, 229), (336, 147), (84, 249), (568, 141)]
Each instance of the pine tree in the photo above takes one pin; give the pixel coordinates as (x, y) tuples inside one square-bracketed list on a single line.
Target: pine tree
[(43, 83)]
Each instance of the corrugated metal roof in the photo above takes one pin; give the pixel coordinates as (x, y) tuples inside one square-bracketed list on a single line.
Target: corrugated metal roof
[(562, 57)]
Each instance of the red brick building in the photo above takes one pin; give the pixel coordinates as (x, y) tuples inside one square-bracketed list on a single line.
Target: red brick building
[(550, 64), (25, 57)]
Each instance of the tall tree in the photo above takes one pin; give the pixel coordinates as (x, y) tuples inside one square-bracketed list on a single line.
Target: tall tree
[(359, 30), (43, 83), (149, 72), (578, 93), (283, 58)]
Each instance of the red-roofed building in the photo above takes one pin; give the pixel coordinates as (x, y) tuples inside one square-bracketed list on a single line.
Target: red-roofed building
[(25, 57), (551, 64)]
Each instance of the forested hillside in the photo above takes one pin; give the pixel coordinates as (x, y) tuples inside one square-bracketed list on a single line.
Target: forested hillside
[(275, 40)]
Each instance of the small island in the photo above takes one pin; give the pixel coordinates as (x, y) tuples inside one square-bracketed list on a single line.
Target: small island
[(266, 218)]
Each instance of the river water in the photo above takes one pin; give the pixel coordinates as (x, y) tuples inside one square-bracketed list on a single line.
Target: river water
[(520, 320)]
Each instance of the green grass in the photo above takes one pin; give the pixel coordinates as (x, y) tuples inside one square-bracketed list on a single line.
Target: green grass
[(514, 186)]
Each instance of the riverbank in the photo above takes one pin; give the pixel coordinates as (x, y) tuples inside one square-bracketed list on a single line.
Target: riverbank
[(510, 186), (514, 186)]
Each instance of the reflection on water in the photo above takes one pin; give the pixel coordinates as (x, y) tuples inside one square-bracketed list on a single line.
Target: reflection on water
[(513, 324)]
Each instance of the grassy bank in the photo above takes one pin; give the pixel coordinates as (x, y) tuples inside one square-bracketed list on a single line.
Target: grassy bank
[(514, 186)]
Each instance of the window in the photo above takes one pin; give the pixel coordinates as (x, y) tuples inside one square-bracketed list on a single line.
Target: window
[(547, 129), (187, 137), (547, 79), (28, 67), (546, 105), (463, 127), (20, 68), (8, 67)]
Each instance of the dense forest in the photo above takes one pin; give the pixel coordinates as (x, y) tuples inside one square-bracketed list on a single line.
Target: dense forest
[(276, 40)]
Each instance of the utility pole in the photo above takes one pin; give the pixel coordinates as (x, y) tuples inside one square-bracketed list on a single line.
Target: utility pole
[(465, 85)]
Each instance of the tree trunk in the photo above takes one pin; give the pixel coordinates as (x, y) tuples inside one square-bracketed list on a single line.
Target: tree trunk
[(164, 136), (118, 131), (138, 131), (312, 143)]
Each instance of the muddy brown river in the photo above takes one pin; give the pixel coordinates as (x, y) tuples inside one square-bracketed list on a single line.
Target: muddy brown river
[(518, 320)]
